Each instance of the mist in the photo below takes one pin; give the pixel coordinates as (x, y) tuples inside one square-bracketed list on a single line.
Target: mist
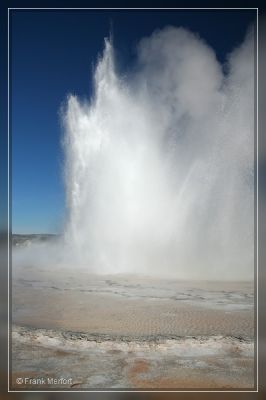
[(159, 163)]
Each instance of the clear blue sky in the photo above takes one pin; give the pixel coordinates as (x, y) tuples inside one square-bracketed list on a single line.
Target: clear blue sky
[(52, 53)]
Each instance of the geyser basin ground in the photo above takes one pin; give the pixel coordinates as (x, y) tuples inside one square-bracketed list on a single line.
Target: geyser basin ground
[(126, 331)]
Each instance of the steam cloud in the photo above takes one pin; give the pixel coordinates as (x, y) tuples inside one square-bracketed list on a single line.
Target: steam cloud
[(159, 165)]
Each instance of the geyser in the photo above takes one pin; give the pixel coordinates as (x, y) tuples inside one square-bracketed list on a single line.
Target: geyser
[(159, 164)]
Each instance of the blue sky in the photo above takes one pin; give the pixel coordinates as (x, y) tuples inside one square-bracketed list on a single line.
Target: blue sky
[(52, 54)]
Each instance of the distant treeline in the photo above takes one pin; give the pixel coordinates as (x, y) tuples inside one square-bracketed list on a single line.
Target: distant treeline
[(22, 239)]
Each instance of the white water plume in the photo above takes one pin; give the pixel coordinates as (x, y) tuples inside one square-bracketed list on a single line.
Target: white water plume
[(159, 164)]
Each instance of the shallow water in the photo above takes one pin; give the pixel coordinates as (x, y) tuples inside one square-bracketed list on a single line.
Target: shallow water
[(126, 331), (131, 305)]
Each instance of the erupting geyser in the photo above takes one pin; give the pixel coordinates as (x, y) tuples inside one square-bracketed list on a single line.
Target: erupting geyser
[(159, 164), (159, 180)]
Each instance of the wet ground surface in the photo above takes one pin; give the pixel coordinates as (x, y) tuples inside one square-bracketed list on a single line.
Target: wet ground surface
[(115, 332), (91, 362)]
